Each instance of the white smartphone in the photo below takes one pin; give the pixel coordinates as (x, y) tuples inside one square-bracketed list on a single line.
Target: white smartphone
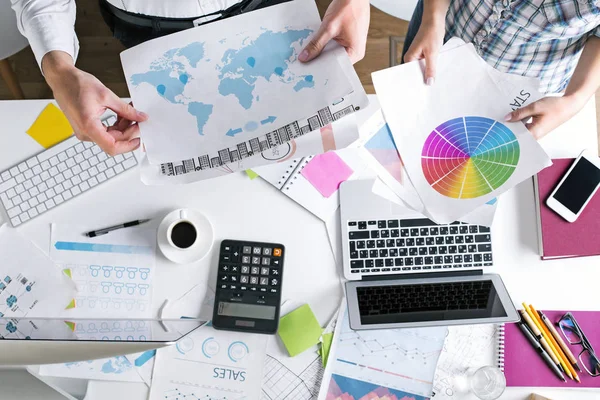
[(577, 187)]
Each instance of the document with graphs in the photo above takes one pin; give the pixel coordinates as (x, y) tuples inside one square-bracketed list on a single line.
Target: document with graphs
[(210, 364), (215, 92)]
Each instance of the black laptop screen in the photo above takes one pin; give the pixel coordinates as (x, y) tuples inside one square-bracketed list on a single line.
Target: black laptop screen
[(429, 302)]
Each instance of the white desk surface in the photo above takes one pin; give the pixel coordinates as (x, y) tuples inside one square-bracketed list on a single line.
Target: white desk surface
[(240, 208)]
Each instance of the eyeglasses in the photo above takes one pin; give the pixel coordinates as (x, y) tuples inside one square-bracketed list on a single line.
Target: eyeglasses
[(575, 336)]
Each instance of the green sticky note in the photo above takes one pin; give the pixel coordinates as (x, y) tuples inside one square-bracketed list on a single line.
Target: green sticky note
[(325, 347), (251, 174), (299, 330)]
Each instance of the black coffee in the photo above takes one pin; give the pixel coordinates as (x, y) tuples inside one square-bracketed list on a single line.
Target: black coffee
[(183, 235)]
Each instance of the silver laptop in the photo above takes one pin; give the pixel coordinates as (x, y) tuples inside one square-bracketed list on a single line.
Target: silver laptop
[(27, 341), (406, 271)]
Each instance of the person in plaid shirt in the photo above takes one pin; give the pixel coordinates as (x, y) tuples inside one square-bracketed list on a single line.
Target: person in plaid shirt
[(557, 41)]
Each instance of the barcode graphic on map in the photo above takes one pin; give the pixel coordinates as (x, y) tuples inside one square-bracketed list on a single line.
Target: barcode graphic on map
[(257, 145)]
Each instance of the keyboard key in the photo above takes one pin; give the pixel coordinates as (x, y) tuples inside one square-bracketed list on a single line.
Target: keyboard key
[(50, 203), (374, 234), (101, 177), (75, 190), (414, 232), (119, 168), (381, 224), (370, 244), (84, 186), (362, 225), (359, 235), (20, 178), (393, 223), (93, 181), (404, 232), (393, 252), (380, 243), (370, 223), (484, 229), (373, 253), (19, 189), (379, 263), (484, 247), (385, 233), (357, 264), (398, 262), (130, 162), (13, 212), (482, 238), (383, 253), (389, 262), (463, 229)]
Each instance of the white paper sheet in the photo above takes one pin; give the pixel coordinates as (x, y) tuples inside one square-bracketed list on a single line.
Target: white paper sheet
[(210, 364), (379, 150), (286, 377), (287, 178), (198, 302), (467, 347), (448, 181), (222, 84), (392, 362), (113, 273), (30, 286), (108, 369), (336, 135)]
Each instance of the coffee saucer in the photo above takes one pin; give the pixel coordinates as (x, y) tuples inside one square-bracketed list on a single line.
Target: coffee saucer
[(199, 250)]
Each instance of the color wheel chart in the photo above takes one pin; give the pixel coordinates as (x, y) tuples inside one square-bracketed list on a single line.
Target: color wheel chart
[(469, 157)]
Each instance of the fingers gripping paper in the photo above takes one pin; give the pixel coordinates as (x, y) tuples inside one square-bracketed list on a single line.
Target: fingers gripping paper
[(456, 149)]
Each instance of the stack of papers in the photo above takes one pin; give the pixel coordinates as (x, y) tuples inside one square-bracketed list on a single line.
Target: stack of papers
[(240, 99), (457, 150)]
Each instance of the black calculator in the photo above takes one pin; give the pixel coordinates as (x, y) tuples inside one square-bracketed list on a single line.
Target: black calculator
[(248, 295)]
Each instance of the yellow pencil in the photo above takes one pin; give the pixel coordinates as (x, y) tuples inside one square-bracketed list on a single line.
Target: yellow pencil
[(553, 342), (556, 353)]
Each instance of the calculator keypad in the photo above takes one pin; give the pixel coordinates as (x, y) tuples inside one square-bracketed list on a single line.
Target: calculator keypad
[(249, 273), (255, 268)]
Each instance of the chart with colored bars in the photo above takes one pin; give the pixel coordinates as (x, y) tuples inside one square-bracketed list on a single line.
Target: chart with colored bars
[(469, 157)]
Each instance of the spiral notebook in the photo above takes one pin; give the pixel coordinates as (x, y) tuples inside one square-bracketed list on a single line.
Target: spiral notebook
[(287, 177), (523, 366)]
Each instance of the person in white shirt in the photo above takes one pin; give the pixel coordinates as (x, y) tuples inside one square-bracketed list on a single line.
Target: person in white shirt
[(49, 27)]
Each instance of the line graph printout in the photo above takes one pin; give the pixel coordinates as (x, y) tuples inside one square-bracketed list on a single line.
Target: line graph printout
[(457, 152), (392, 362), (204, 96), (210, 364), (466, 348)]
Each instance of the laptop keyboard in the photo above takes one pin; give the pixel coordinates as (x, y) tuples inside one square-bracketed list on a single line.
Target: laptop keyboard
[(384, 300), (415, 245)]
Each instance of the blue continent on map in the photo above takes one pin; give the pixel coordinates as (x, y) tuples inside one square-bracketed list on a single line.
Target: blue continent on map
[(116, 365), (170, 87), (267, 56)]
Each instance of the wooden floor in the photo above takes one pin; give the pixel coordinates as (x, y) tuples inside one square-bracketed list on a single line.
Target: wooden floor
[(99, 53)]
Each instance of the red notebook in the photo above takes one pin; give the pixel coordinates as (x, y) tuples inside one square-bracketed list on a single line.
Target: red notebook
[(523, 366), (559, 238)]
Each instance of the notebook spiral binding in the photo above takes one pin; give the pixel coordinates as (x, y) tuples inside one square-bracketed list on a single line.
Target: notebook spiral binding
[(296, 167), (500, 351)]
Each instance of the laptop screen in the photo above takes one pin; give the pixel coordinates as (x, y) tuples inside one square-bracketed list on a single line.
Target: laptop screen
[(107, 330), (426, 302)]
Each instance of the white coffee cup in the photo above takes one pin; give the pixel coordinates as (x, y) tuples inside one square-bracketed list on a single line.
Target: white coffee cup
[(183, 233), (185, 236)]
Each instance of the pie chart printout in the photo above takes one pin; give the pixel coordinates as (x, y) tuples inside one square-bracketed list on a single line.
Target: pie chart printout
[(469, 157)]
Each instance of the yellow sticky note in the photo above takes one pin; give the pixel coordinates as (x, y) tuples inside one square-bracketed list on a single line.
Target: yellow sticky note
[(50, 127), (325, 347), (251, 174), (299, 330)]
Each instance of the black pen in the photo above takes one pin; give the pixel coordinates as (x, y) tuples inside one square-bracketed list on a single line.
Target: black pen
[(104, 231), (538, 348)]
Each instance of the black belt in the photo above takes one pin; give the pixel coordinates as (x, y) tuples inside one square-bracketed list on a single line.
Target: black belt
[(176, 24)]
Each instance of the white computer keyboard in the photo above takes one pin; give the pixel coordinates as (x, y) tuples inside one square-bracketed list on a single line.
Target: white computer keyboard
[(55, 176)]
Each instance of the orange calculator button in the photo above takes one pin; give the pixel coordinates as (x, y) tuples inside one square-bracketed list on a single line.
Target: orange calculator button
[(277, 252)]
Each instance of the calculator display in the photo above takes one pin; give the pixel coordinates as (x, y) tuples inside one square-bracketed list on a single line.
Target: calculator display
[(246, 310)]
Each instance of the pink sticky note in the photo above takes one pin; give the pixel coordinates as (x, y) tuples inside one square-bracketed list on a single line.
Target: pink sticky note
[(326, 171)]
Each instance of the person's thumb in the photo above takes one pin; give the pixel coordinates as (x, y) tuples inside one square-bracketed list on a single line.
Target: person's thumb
[(316, 45), (430, 68), (521, 114), (125, 110)]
